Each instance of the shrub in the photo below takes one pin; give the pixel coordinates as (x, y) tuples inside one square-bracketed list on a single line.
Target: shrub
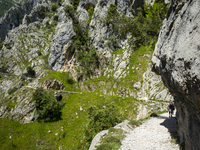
[(75, 3), (144, 27), (39, 53), (30, 71), (55, 18), (70, 11), (101, 118), (3, 69), (1, 46), (104, 146), (88, 60), (154, 114), (90, 13), (54, 7), (41, 11), (8, 47), (47, 107), (12, 90)]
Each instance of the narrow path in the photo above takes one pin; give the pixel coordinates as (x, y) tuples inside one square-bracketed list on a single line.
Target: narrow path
[(154, 134)]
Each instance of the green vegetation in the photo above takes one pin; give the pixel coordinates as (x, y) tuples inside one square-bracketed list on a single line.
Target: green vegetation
[(89, 61), (42, 11), (74, 122), (86, 53), (5, 5), (55, 18), (12, 90), (54, 7), (64, 77), (100, 118), (155, 114), (8, 47), (1, 45), (112, 42), (70, 11), (47, 107), (90, 13), (67, 126), (144, 28), (112, 140), (30, 71), (75, 3)]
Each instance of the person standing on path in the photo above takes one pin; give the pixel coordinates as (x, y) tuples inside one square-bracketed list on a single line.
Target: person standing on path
[(170, 108)]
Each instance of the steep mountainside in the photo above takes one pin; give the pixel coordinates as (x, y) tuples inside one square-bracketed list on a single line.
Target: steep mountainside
[(176, 59), (86, 54), (5, 5)]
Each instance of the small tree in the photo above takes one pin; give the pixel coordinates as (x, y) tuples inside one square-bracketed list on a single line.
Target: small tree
[(30, 71), (101, 118), (54, 7), (47, 107)]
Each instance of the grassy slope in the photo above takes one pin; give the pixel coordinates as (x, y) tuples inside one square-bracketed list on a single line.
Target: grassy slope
[(36, 136), (137, 57), (27, 136)]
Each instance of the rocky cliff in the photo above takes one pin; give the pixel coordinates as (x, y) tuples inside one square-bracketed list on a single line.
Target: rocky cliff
[(77, 43), (176, 59)]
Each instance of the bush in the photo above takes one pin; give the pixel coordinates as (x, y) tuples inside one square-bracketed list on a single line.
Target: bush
[(8, 47), (75, 3), (55, 18), (154, 114), (1, 46), (54, 7), (101, 118), (144, 27), (41, 11), (88, 60), (39, 53), (47, 107), (12, 90), (30, 71), (105, 146), (70, 11)]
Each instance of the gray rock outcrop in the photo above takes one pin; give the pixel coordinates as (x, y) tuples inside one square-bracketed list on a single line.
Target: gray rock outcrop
[(13, 17), (177, 59)]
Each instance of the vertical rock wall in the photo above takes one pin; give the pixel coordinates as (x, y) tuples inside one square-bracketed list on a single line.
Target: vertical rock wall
[(177, 59)]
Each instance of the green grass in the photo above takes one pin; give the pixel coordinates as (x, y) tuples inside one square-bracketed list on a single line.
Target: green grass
[(137, 59), (119, 51), (112, 141), (26, 136), (63, 77)]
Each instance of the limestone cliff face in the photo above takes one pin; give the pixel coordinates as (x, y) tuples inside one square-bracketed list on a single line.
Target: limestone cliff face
[(61, 59), (13, 17), (177, 59)]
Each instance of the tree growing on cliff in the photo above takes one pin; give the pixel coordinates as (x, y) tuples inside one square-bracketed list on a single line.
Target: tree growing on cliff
[(143, 28)]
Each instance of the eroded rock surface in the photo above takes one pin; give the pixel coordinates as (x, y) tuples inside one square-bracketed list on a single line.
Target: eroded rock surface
[(177, 59)]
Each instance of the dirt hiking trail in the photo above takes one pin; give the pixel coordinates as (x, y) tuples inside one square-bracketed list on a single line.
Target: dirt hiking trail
[(153, 134)]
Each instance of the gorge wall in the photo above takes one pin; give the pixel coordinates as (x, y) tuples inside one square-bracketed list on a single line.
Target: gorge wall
[(43, 40), (177, 59)]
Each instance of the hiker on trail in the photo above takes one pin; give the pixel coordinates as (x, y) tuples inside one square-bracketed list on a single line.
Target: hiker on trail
[(170, 109)]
